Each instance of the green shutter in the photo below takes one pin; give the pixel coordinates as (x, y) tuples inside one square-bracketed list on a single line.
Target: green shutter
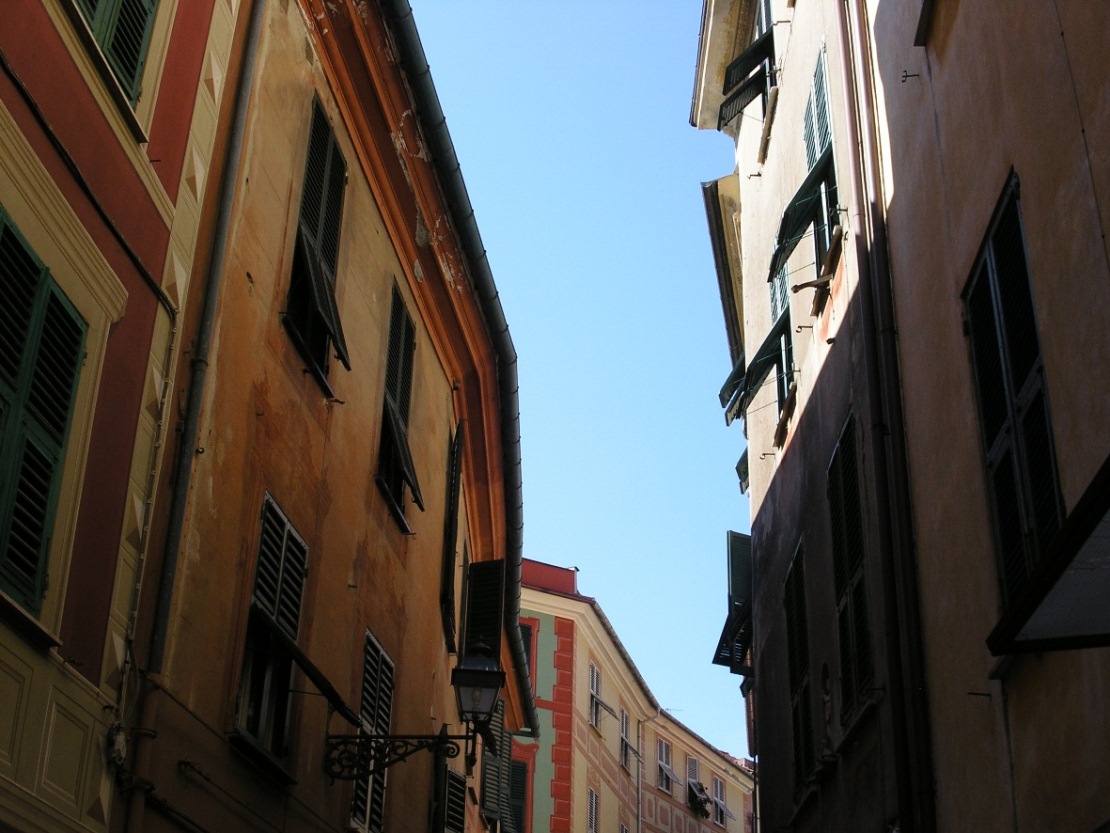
[(518, 793), (455, 815), (122, 28), (375, 709), (42, 348), (450, 537)]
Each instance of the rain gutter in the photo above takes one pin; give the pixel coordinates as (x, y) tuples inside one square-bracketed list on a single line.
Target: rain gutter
[(412, 59)]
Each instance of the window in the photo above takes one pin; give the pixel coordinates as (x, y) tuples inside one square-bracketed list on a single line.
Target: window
[(666, 776), (752, 73), (375, 709), (784, 353), (626, 744), (274, 619), (122, 30), (311, 315), (451, 537), (396, 469), (497, 771), (42, 348), (592, 811), (797, 635), (595, 696), (1022, 484), (455, 803), (696, 796), (814, 204), (720, 808), (853, 623), (518, 794)]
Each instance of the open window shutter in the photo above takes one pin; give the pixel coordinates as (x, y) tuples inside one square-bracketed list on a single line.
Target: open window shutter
[(505, 752), (41, 350), (450, 537), (125, 41), (280, 574), (485, 598), (518, 794)]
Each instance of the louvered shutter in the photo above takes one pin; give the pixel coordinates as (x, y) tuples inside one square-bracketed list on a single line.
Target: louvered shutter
[(280, 574), (485, 599), (42, 342), (451, 537), (455, 815), (320, 222), (122, 29), (592, 811), (492, 777), (518, 794), (375, 709)]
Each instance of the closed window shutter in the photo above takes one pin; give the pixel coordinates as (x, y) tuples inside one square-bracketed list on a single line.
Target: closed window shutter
[(592, 812), (42, 341), (518, 794), (455, 816), (375, 709), (485, 595), (492, 763), (282, 567)]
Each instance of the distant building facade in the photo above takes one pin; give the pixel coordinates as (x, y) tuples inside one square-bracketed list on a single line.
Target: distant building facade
[(608, 757), (909, 253)]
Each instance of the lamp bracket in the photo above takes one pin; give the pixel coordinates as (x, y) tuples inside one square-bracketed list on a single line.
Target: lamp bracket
[(354, 757)]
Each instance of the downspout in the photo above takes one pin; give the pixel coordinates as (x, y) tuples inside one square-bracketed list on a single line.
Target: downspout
[(203, 346), (446, 164), (142, 790), (905, 652)]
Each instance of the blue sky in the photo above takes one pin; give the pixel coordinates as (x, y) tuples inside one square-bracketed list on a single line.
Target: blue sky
[(571, 123)]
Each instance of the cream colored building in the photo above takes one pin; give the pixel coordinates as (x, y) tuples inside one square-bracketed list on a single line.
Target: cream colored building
[(609, 757), (911, 252)]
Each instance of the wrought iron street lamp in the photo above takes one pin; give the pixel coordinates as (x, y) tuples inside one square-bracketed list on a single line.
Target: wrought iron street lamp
[(477, 682)]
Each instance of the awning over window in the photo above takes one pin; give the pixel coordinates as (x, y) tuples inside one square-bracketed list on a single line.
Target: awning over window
[(1064, 603), (323, 297), (799, 212), (756, 372)]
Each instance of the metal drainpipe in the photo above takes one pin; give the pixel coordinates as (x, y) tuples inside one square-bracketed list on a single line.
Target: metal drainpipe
[(203, 346), (905, 650)]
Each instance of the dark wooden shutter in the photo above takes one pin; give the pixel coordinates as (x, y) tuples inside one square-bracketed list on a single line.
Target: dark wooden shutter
[(455, 815), (450, 537), (518, 794), (485, 599), (375, 709), (492, 763), (282, 567), (42, 347), (399, 361)]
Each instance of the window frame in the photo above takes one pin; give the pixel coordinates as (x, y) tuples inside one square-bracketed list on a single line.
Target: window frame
[(273, 625), (396, 468), (801, 705), (1010, 403), (311, 314), (665, 776), (625, 741), (849, 550)]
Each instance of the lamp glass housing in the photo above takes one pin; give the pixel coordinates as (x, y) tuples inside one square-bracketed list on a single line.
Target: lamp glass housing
[(477, 682)]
